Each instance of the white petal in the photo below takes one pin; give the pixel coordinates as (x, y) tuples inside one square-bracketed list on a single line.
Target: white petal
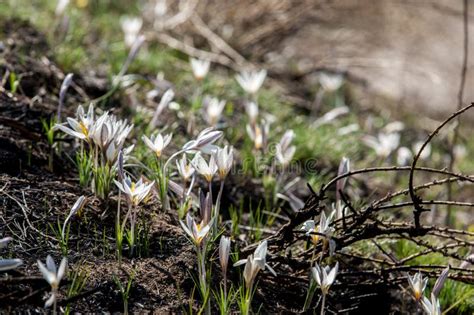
[(62, 268), (47, 275)]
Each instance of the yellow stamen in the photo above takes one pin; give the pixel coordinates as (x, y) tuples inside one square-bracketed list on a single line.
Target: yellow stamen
[(84, 129)]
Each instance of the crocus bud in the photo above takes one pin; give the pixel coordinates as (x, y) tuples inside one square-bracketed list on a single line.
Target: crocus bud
[(224, 251)]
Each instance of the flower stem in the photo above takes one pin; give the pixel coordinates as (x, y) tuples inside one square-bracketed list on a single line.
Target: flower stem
[(323, 303)]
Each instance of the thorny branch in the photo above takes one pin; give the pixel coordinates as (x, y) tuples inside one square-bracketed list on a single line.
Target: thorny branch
[(362, 223)]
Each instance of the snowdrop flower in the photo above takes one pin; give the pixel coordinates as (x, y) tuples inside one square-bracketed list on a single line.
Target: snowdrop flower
[(324, 276), (284, 150), (425, 154), (61, 7), (224, 158), (213, 108), (204, 141), (251, 109), (251, 81), (53, 276), (131, 27), (432, 306), (224, 251), (200, 68), (330, 82), (384, 144), (404, 156), (197, 232), (258, 134), (185, 169), (254, 263), (81, 126), (135, 191), (323, 227), (417, 285), (158, 143), (208, 170)]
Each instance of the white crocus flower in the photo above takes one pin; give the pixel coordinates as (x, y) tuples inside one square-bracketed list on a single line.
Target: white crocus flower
[(185, 169), (330, 82), (324, 276), (224, 251), (160, 9), (77, 207), (158, 143), (425, 154), (8, 264), (208, 170), (100, 133), (417, 285), (251, 81), (107, 129), (135, 191), (284, 150), (113, 151), (258, 134), (213, 108), (459, 151), (254, 263), (131, 26), (53, 276), (224, 159), (431, 307), (251, 109), (80, 127), (204, 141), (404, 156), (200, 68), (323, 227), (384, 144), (197, 232), (61, 7)]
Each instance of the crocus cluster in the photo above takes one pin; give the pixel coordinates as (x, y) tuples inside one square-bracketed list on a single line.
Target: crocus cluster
[(104, 137)]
